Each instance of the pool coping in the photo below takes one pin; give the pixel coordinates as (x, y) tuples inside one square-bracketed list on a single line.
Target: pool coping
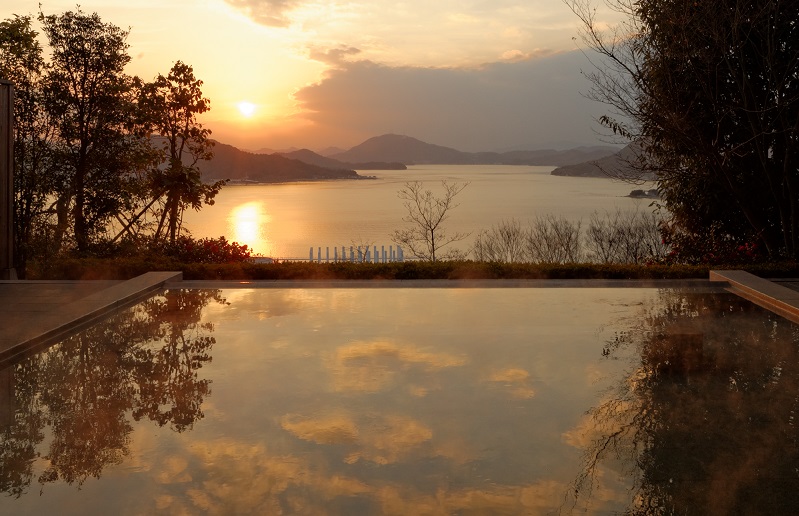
[(766, 293), (456, 283), (43, 328)]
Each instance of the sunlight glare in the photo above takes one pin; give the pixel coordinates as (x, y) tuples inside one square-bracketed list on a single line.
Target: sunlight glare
[(248, 223), (247, 109)]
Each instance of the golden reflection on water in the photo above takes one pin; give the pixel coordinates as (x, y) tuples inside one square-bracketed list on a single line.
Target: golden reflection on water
[(345, 401), (248, 223)]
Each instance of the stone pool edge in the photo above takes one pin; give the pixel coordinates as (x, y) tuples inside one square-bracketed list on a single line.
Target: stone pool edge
[(777, 298), (451, 283), (87, 310)]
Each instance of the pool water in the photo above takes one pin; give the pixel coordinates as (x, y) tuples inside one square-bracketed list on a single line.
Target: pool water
[(409, 401)]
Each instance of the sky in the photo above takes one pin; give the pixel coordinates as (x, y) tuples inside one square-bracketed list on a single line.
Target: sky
[(475, 75)]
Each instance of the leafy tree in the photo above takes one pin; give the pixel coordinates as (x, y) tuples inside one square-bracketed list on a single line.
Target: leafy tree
[(22, 64), (89, 98), (169, 107), (711, 92), (427, 213)]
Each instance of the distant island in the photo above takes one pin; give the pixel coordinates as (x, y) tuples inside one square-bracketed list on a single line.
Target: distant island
[(243, 167), (617, 165), (386, 152), (312, 158), (645, 194)]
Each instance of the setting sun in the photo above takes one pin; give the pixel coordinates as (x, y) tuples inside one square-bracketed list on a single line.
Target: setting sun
[(247, 109)]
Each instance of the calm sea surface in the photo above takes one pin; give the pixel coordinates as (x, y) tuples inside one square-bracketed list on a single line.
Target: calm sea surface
[(286, 220)]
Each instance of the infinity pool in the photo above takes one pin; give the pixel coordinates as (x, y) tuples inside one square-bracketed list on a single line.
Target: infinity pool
[(410, 402)]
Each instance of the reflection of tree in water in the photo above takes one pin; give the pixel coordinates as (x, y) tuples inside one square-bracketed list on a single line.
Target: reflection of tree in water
[(141, 362), (703, 422)]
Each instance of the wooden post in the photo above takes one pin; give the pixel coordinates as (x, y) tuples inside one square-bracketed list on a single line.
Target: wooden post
[(7, 181)]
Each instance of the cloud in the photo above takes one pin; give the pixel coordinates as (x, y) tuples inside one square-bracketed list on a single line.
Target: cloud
[(419, 32), (333, 56), (273, 13), (521, 100)]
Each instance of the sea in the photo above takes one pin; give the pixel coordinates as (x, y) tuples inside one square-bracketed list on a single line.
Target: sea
[(285, 221)]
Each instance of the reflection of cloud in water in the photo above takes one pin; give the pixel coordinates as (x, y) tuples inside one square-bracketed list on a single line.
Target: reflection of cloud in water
[(372, 366), (173, 470), (383, 441), (328, 430), (268, 483), (260, 486), (516, 380), (391, 439)]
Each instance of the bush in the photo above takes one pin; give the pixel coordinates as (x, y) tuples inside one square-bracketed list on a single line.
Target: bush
[(207, 250), (126, 268), (711, 246)]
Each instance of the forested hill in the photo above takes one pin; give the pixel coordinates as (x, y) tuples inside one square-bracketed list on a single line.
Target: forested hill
[(410, 151), (237, 165), (308, 156), (617, 165)]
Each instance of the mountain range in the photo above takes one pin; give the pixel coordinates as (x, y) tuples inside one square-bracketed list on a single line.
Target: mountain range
[(410, 151), (386, 152)]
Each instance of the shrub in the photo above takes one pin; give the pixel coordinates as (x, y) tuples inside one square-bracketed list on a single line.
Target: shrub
[(207, 250), (711, 246)]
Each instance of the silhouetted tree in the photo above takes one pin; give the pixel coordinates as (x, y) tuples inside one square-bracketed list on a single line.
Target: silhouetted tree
[(711, 92), (89, 98), (21, 62), (169, 107)]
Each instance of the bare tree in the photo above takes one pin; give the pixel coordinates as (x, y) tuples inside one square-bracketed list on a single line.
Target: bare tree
[(427, 213), (625, 237), (554, 240), (503, 243)]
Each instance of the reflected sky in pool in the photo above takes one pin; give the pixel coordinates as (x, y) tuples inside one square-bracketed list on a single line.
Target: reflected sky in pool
[(409, 401)]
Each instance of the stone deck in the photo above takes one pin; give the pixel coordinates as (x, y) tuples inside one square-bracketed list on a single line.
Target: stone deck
[(35, 313)]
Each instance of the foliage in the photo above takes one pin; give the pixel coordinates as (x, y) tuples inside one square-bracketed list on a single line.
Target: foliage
[(130, 267), (22, 64), (86, 162), (426, 237), (169, 107), (710, 90), (87, 95), (711, 246), (207, 250)]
